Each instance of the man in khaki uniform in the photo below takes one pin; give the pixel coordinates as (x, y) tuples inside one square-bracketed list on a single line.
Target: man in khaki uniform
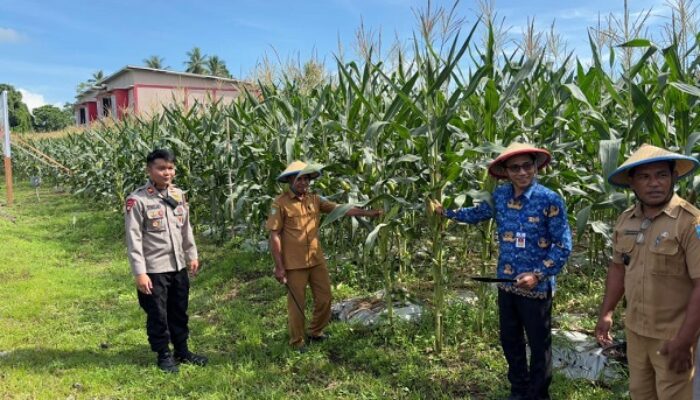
[(656, 265), (294, 243), (161, 247)]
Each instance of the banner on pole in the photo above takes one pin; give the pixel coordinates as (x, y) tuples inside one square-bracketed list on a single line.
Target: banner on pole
[(7, 162), (5, 124)]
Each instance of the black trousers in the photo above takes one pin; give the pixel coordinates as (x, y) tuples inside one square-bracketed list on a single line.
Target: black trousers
[(166, 310), (520, 316)]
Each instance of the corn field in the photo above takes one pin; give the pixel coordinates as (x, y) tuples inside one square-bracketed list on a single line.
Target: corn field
[(393, 134)]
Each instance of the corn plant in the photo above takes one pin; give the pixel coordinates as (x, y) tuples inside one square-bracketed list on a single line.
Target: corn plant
[(391, 135)]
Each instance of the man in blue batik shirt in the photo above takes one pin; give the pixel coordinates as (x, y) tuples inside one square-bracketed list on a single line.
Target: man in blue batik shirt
[(534, 243)]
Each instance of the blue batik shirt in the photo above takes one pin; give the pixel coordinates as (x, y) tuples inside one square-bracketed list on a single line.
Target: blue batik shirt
[(533, 234)]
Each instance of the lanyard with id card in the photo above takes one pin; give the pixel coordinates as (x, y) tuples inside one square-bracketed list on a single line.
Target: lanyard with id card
[(520, 240)]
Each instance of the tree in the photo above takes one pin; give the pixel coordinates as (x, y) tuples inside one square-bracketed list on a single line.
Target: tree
[(51, 118), (95, 79), (217, 67), (197, 61), (20, 118), (155, 62)]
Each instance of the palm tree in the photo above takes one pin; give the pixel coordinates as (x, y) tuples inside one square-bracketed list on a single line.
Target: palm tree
[(155, 62), (217, 67), (197, 61), (95, 79)]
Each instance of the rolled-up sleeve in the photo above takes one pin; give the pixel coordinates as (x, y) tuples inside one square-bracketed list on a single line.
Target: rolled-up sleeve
[(275, 221), (690, 240), (326, 206)]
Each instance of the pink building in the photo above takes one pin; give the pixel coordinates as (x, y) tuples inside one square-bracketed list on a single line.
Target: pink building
[(147, 91)]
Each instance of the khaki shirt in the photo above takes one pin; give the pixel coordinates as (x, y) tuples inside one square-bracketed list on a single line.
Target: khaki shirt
[(158, 238), (298, 220), (659, 272)]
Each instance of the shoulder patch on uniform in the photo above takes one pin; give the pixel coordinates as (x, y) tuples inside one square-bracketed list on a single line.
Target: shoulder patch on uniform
[(150, 191), (130, 202), (176, 194)]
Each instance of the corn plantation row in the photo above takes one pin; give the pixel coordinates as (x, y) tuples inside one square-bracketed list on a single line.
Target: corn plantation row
[(392, 136)]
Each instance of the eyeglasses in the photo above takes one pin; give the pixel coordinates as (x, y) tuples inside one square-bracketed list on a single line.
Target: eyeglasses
[(646, 222), (527, 167)]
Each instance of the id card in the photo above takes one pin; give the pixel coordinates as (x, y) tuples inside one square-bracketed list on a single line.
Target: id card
[(520, 240)]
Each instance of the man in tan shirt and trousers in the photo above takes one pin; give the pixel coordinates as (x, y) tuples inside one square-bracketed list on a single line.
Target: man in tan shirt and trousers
[(294, 243), (656, 265)]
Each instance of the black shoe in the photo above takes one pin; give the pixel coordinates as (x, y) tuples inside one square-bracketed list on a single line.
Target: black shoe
[(319, 338), (191, 358), (167, 363)]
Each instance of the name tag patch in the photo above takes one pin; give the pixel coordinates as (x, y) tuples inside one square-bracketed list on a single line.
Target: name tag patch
[(153, 214)]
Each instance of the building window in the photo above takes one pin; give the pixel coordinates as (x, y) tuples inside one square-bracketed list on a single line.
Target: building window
[(82, 119), (106, 106)]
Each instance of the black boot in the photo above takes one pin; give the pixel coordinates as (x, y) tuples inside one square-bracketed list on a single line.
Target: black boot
[(188, 357), (166, 362)]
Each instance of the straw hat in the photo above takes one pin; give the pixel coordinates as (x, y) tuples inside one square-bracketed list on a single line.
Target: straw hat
[(648, 154), (497, 167), (299, 168)]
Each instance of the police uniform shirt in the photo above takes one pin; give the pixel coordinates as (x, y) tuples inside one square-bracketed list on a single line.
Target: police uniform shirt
[(297, 220), (159, 237), (661, 258)]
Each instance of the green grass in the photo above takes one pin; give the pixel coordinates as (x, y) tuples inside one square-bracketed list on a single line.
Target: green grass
[(70, 327)]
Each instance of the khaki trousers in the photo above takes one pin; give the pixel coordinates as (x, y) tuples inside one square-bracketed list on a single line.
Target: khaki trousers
[(650, 377), (319, 281)]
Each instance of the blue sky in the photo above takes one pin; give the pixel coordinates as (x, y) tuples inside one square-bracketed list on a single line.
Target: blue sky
[(48, 47)]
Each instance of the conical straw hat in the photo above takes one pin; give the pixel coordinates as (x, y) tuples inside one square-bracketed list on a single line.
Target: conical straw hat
[(648, 154), (300, 168), (497, 167)]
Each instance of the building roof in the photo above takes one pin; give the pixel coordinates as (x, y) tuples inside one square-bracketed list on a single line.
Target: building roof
[(159, 71), (165, 71)]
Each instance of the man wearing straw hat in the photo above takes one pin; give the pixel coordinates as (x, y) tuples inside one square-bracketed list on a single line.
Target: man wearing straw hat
[(656, 266), (534, 243), (294, 243)]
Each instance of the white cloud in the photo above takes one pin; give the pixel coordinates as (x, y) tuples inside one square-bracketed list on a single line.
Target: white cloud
[(32, 100), (9, 35)]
